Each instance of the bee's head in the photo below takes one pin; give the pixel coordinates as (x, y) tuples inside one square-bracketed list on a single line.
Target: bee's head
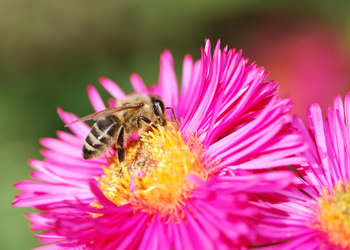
[(159, 109)]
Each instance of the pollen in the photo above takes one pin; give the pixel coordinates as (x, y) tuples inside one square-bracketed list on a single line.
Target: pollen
[(154, 176), (333, 214)]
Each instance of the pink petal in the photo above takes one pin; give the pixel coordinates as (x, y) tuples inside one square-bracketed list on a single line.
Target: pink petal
[(138, 84), (39, 221), (168, 81), (95, 99), (79, 129), (316, 125), (62, 147), (67, 137), (112, 88)]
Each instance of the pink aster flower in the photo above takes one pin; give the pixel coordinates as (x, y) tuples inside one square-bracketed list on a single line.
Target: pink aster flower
[(319, 216), (183, 187)]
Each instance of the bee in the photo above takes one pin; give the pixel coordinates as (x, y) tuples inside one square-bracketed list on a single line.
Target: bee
[(136, 112)]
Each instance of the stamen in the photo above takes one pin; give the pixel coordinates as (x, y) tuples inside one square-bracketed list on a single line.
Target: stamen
[(333, 214), (153, 177)]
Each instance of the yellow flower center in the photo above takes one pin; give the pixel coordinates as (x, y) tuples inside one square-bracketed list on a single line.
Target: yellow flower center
[(333, 215), (154, 176)]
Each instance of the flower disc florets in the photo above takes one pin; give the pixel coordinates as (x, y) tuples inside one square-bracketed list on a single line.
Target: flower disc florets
[(154, 176), (333, 214)]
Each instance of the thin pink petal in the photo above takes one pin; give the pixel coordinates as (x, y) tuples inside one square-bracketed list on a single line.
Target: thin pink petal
[(80, 129), (168, 81), (112, 88), (95, 99), (138, 85)]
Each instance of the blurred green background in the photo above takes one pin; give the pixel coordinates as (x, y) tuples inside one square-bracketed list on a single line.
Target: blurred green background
[(50, 50)]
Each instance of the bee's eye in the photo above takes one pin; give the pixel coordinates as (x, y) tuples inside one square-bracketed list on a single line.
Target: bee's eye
[(160, 106)]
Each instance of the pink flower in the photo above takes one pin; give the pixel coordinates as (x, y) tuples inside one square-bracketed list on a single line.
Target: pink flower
[(198, 193), (319, 216), (304, 59)]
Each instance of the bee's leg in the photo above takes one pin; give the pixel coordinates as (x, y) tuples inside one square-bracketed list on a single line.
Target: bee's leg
[(160, 116), (174, 116), (148, 121), (120, 145)]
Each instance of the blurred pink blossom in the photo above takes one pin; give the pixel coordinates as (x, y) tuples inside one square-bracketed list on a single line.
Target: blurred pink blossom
[(311, 64)]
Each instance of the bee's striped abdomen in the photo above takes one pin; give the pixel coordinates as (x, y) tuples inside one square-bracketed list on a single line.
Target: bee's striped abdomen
[(101, 136)]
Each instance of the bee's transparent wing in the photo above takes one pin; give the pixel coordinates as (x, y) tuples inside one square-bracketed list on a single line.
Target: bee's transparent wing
[(102, 113)]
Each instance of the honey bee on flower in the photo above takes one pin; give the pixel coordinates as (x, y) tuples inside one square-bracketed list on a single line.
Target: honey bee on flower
[(135, 113)]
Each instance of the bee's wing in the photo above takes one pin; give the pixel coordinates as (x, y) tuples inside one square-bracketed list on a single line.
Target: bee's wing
[(102, 113)]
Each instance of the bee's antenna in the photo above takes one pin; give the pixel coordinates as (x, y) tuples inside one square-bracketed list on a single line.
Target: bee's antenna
[(174, 116)]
